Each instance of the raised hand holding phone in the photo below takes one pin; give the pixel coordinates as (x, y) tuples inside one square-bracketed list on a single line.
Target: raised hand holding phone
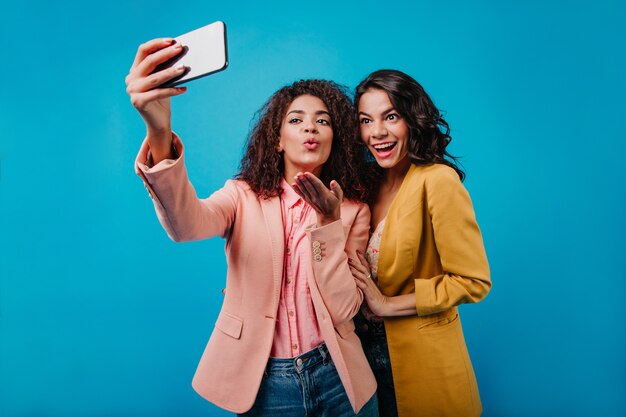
[(204, 53), (153, 104), (161, 64)]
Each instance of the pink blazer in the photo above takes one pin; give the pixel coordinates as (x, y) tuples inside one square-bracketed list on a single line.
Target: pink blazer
[(230, 371)]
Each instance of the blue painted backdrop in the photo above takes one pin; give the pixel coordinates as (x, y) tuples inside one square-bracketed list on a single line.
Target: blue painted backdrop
[(101, 315)]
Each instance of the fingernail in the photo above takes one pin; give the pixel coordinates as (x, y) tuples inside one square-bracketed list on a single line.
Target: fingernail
[(168, 40)]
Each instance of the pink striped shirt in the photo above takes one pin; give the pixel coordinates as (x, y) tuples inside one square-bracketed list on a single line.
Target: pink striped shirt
[(297, 330)]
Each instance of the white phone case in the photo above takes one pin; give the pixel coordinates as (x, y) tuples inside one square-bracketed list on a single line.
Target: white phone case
[(204, 53)]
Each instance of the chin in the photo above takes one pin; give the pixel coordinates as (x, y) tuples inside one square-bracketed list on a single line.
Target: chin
[(386, 163)]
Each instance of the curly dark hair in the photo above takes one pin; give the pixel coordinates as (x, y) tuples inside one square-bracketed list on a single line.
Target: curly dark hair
[(429, 133), (262, 166)]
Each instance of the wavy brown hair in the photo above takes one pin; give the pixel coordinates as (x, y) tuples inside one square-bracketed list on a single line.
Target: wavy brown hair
[(429, 133), (262, 166)]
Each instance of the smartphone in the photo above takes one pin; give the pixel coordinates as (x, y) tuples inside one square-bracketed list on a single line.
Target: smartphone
[(204, 53)]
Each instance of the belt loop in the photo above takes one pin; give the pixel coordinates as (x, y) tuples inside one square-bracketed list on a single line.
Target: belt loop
[(324, 352)]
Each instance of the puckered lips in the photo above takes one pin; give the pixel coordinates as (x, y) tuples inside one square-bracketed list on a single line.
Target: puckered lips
[(384, 149), (311, 144)]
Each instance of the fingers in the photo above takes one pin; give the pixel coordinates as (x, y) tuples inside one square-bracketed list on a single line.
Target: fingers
[(362, 270), (150, 82), (336, 189), (311, 187), (362, 285), (140, 100), (150, 62), (150, 47), (303, 192), (363, 259)]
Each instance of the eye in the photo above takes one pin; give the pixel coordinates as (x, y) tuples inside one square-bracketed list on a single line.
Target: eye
[(323, 122), (393, 117), (294, 120), (365, 120)]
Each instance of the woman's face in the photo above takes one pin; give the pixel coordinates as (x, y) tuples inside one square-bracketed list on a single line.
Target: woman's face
[(306, 136), (383, 130)]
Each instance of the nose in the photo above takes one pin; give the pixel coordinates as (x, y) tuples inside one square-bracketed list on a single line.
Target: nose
[(379, 130), (309, 126)]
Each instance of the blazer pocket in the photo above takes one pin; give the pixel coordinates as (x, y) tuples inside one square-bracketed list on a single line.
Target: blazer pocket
[(345, 328), (229, 324), (440, 321)]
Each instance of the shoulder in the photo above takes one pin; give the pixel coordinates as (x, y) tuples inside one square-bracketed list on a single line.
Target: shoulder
[(433, 172), (434, 176), (239, 187), (238, 190)]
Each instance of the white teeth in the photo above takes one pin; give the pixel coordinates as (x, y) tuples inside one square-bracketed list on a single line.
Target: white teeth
[(383, 146)]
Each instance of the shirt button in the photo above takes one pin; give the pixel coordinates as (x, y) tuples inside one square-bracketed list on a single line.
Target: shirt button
[(291, 314), (296, 221), (295, 346), (288, 251)]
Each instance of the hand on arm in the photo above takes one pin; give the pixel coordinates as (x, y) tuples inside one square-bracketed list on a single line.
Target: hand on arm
[(153, 104), (325, 202), (380, 304)]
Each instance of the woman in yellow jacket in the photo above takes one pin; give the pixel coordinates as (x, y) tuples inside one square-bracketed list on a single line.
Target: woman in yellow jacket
[(425, 256)]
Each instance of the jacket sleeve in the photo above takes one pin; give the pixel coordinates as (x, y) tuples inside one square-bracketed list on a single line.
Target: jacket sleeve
[(183, 216), (460, 246), (334, 279)]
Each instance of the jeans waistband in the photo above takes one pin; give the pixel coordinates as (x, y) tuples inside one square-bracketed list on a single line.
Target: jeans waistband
[(300, 363)]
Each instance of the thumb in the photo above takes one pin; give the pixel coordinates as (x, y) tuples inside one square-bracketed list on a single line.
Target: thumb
[(336, 189)]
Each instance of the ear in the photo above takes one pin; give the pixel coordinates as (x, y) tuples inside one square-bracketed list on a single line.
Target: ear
[(278, 147)]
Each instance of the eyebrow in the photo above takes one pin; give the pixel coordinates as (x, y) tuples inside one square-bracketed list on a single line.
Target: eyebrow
[(302, 112), (389, 110)]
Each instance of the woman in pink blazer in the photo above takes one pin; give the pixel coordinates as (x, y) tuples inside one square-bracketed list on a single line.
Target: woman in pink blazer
[(284, 341)]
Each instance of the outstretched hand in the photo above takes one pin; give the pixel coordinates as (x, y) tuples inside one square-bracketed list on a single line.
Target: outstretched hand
[(326, 203)]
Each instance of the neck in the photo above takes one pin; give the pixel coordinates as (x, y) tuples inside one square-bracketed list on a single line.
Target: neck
[(395, 175)]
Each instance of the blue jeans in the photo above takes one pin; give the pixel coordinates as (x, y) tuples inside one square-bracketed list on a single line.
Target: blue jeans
[(307, 385)]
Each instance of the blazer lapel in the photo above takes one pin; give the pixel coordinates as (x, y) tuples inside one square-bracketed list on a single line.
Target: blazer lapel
[(275, 229)]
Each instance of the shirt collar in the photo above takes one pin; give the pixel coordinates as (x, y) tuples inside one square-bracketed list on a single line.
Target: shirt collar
[(289, 196)]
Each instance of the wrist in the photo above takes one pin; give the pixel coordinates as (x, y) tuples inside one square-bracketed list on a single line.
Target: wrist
[(323, 220), (385, 307)]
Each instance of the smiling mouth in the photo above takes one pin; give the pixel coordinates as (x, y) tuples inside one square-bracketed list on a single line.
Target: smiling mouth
[(385, 147)]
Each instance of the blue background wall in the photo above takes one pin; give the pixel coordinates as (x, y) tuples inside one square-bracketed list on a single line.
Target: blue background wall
[(101, 315)]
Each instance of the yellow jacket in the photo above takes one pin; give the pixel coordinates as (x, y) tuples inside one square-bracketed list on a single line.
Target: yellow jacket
[(432, 246)]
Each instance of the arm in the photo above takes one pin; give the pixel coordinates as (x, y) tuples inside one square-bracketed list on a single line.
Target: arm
[(381, 305), (332, 273), (183, 216), (460, 246), (153, 104), (181, 213), (461, 251)]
